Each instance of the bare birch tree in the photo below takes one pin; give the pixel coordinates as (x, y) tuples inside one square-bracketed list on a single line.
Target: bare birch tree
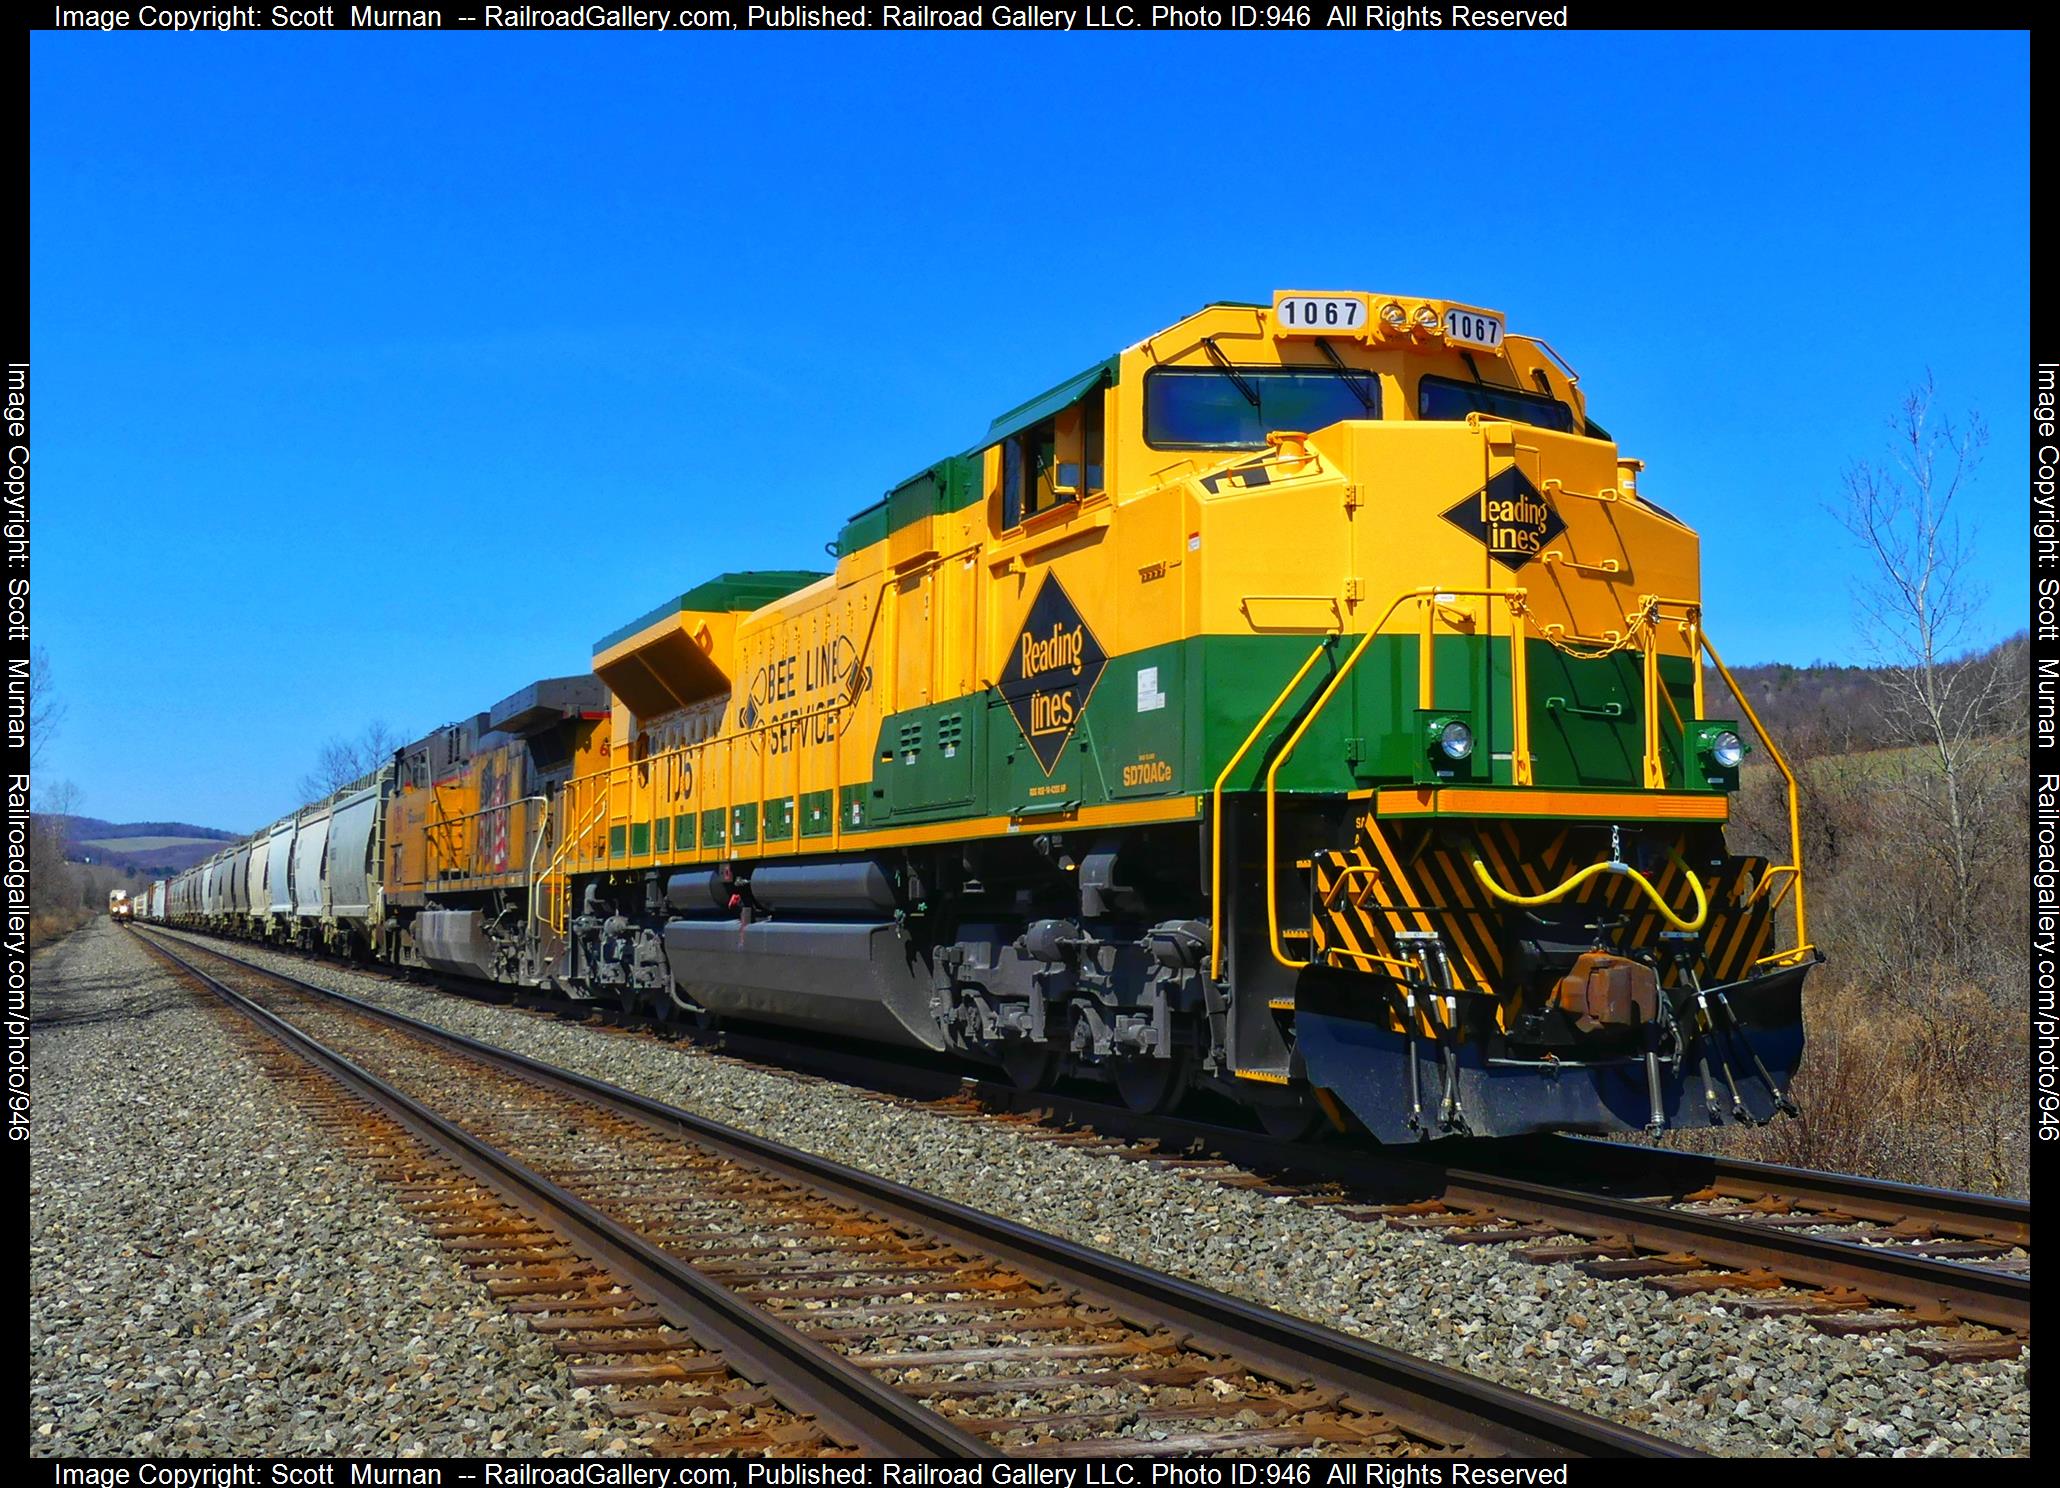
[(46, 709), (1917, 605)]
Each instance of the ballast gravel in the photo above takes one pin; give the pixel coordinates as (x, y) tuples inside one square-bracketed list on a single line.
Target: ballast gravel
[(207, 1276), (1690, 1369)]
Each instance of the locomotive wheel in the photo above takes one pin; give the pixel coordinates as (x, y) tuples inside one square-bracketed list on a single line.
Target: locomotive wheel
[(1152, 1087), (1029, 1066), (1291, 1123)]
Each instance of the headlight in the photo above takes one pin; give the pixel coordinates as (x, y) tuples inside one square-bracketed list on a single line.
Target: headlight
[(1393, 314), (1455, 740), (1426, 316), (1727, 750)]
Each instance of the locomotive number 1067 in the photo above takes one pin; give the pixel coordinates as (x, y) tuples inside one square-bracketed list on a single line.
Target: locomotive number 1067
[(1320, 313)]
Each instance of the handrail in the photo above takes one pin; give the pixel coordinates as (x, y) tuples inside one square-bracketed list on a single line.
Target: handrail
[(1519, 675), (1216, 815), (575, 835), (1552, 556), (696, 754), (1430, 594), (449, 822), (1795, 853), (1328, 601), (1553, 487), (1654, 774), (543, 825), (1768, 877), (429, 831)]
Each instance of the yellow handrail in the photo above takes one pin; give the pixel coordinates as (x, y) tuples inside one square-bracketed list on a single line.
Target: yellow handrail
[(551, 868), (1519, 676), (1520, 694), (1768, 878), (696, 754), (1655, 769), (536, 845), (1431, 595), (450, 823), (1702, 903), (1653, 773), (1216, 816), (1795, 864)]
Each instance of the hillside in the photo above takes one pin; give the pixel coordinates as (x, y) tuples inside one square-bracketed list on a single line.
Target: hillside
[(1823, 708), (152, 848)]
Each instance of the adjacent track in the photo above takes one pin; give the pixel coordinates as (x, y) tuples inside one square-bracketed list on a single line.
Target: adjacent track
[(833, 1287), (1683, 1220), (1944, 1253)]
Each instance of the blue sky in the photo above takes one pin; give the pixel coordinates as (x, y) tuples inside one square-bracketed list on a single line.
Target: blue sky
[(379, 375)]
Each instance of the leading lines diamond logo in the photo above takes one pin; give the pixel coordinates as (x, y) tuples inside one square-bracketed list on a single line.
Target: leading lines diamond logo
[(1051, 672), (1509, 517)]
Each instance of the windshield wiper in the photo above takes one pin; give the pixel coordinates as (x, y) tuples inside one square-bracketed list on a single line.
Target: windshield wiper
[(1223, 364), (1353, 380)]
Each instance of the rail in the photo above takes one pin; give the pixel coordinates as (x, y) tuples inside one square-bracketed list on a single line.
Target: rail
[(550, 883), (1216, 813), (855, 1406), (1478, 1174), (684, 785), (1439, 1403)]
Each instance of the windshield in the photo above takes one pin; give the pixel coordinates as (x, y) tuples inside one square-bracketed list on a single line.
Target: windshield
[(1215, 407), (1445, 398)]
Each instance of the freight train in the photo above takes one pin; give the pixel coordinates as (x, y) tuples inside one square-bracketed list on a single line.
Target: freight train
[(1305, 702)]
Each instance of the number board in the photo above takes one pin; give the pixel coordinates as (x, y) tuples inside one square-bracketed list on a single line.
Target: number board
[(1307, 314), (1465, 326)]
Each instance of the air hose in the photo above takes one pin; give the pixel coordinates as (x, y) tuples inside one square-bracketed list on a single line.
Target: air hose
[(1702, 904)]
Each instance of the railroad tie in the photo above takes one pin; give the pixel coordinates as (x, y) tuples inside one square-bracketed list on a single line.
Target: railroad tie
[(1022, 1353), (1963, 1350)]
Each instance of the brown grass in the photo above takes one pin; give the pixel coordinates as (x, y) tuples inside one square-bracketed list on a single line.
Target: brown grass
[(1916, 1057)]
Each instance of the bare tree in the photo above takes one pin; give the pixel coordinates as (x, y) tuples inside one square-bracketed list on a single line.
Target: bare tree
[(345, 760), (1917, 605), (53, 887), (46, 709)]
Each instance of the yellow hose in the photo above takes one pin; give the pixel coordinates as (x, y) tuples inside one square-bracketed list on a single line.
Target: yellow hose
[(1702, 904)]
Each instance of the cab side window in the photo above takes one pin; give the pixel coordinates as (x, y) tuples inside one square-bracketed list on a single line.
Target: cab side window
[(1054, 461), (1079, 435)]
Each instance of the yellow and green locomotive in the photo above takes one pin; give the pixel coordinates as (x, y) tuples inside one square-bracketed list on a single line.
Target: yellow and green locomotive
[(1304, 701)]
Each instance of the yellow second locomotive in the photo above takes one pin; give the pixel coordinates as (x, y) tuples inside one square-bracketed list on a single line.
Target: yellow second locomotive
[(1304, 700)]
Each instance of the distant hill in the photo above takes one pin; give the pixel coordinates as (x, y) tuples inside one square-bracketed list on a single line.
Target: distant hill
[(155, 848), (1827, 709)]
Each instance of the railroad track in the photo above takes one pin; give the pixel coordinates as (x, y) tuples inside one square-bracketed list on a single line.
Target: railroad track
[(1761, 1247), (1853, 1255), (840, 1310)]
